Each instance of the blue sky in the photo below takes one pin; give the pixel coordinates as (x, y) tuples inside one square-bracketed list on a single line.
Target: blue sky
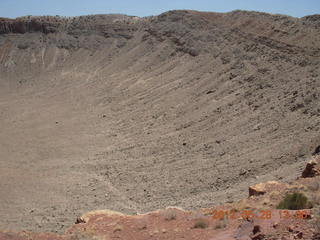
[(15, 8)]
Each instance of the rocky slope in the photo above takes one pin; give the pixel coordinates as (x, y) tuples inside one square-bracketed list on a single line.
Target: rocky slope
[(134, 114), (253, 218)]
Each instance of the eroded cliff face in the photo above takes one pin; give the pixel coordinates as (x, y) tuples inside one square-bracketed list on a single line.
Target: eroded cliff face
[(134, 114), (23, 26), (72, 25)]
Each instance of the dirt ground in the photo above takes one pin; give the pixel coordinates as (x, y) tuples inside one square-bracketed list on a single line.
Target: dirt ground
[(183, 109)]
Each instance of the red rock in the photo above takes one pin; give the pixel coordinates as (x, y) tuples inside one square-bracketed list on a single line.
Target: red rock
[(262, 188)]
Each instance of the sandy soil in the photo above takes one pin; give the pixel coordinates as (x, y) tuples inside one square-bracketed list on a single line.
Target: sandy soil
[(184, 109)]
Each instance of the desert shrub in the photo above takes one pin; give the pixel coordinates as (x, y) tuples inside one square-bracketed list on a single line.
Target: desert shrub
[(23, 46), (222, 223), (169, 214), (294, 201), (200, 223)]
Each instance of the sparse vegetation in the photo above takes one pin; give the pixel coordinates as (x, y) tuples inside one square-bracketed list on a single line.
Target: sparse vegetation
[(201, 223), (169, 214), (23, 46), (148, 125), (221, 224), (294, 201)]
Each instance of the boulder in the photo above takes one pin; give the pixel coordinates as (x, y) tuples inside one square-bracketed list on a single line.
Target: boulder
[(262, 188), (312, 169)]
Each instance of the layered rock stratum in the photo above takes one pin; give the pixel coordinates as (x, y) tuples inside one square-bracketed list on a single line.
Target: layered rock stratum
[(136, 114)]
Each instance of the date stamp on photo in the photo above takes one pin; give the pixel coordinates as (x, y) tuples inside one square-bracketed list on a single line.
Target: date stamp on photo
[(259, 214)]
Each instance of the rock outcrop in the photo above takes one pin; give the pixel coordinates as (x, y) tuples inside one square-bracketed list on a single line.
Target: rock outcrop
[(312, 169), (263, 188), (26, 26), (221, 222)]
